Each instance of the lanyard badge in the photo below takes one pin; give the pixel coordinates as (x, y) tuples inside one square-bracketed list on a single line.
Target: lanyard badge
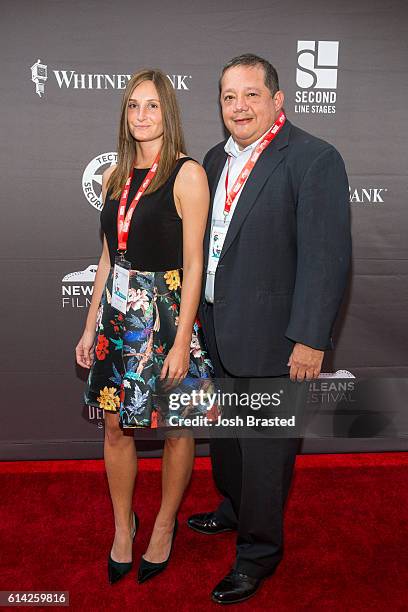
[(217, 237), (121, 271), (120, 285)]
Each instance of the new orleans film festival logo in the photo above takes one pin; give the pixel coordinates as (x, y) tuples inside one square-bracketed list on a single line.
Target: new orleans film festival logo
[(71, 79), (316, 75), (327, 390), (77, 288)]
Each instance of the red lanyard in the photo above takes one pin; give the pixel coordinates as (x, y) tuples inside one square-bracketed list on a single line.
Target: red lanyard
[(247, 169), (124, 222)]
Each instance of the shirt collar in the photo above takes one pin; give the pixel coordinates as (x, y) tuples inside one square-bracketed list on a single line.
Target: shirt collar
[(231, 147)]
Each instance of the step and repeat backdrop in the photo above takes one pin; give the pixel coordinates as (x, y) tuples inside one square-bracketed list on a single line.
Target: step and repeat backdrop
[(342, 65)]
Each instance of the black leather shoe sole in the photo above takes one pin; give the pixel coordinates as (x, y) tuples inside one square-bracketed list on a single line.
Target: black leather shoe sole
[(233, 601), (232, 597), (210, 532)]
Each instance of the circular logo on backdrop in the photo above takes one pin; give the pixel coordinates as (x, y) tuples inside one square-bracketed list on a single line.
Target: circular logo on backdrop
[(92, 177)]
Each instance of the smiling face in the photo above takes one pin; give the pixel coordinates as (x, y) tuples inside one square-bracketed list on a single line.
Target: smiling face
[(144, 113), (248, 107)]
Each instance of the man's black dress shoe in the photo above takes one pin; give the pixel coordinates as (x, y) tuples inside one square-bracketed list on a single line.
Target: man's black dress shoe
[(207, 522), (148, 569), (235, 587), (117, 570)]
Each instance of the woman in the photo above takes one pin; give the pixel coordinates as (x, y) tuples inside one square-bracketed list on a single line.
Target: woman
[(141, 327)]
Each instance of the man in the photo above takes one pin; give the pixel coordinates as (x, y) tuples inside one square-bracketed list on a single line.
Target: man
[(270, 298)]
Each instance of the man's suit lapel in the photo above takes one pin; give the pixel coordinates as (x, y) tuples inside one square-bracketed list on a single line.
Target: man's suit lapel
[(265, 166)]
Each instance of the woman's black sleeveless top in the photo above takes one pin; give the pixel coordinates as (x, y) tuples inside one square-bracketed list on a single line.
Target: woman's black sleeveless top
[(155, 240)]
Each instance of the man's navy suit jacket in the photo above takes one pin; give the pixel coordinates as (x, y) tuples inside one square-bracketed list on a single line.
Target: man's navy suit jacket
[(284, 264)]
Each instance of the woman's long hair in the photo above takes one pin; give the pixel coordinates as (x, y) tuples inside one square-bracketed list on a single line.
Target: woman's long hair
[(173, 139)]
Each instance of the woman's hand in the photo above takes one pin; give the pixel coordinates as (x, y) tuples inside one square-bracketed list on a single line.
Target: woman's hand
[(84, 349), (176, 364)]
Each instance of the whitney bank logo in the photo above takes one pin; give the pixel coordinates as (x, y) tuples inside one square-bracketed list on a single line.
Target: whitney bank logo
[(71, 79), (316, 75), (77, 288), (367, 195)]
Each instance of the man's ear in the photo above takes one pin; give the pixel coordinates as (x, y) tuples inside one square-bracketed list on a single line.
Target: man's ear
[(279, 99)]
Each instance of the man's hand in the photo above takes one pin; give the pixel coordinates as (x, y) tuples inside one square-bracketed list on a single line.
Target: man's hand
[(305, 362)]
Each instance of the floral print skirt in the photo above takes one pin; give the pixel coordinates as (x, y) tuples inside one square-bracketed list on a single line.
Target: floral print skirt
[(130, 349)]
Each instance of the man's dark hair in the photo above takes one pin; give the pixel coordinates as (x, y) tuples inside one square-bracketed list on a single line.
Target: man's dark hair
[(249, 59)]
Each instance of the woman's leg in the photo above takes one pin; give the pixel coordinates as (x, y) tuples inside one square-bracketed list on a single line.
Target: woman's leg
[(178, 458), (121, 466)]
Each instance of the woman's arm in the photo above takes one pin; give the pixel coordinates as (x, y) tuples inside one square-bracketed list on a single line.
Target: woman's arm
[(192, 198), (84, 348), (99, 284)]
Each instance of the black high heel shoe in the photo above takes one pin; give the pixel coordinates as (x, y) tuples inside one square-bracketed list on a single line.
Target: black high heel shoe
[(117, 570), (148, 570)]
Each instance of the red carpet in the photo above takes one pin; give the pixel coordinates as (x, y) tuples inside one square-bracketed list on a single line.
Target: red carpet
[(346, 537)]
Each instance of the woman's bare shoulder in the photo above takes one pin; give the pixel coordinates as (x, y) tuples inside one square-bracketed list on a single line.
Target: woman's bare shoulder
[(191, 165), (191, 179)]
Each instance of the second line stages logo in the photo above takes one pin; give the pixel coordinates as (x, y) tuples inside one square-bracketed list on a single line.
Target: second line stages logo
[(316, 76)]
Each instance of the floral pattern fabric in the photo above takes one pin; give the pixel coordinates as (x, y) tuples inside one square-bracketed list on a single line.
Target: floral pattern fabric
[(130, 349)]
